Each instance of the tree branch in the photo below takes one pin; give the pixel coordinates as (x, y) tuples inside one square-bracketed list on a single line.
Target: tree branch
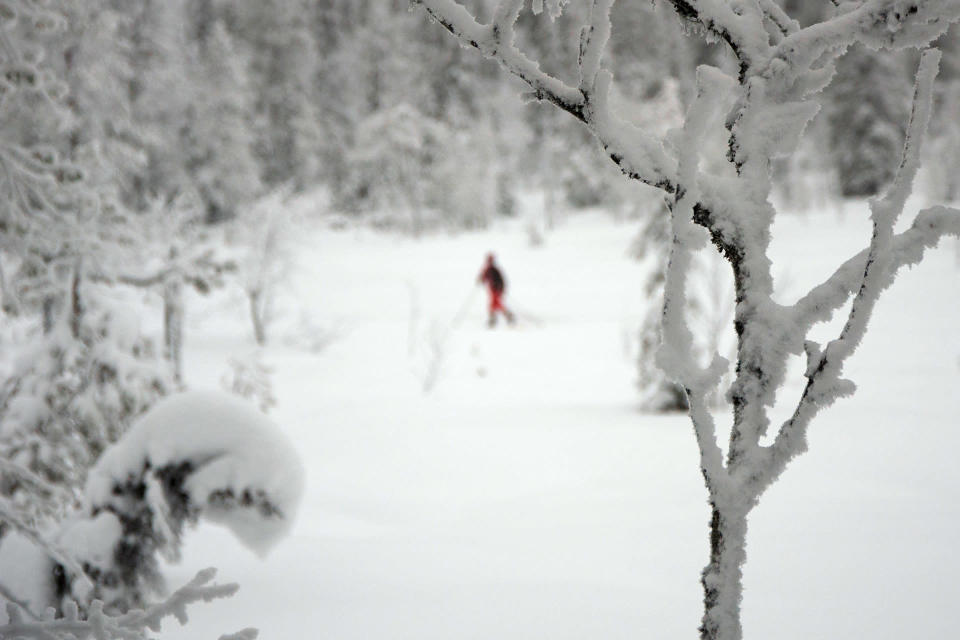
[(878, 266), (908, 247), (877, 274), (888, 24), (488, 39), (593, 40), (779, 18), (822, 300), (638, 154), (741, 28)]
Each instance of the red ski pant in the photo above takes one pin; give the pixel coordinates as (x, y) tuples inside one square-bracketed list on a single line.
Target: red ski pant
[(495, 301)]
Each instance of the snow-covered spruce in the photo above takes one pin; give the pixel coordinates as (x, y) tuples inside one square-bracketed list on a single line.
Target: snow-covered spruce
[(72, 393), (193, 455), (763, 105)]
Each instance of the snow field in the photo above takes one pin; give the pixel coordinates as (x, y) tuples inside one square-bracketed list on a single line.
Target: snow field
[(525, 497)]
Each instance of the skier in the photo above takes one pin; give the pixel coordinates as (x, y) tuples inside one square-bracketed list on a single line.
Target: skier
[(491, 276)]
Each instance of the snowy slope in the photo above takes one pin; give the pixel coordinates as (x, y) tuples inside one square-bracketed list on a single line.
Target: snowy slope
[(525, 497)]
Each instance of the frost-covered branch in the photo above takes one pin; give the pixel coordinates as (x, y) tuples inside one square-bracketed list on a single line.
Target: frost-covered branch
[(890, 24), (133, 625), (196, 590), (490, 39), (741, 27), (877, 274), (10, 516), (593, 40), (638, 154), (880, 259), (877, 267), (778, 17), (676, 354), (28, 478), (907, 248)]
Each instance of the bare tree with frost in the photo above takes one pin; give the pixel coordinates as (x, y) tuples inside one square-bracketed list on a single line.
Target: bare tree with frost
[(263, 233), (762, 110)]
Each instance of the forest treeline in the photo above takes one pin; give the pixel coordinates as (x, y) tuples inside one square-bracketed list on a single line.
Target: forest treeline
[(223, 101)]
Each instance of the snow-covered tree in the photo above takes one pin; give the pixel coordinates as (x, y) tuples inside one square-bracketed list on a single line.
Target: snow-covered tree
[(275, 37), (193, 455), (867, 110), (178, 253), (263, 235), (92, 58), (86, 371), (396, 150), (71, 395), (160, 90), (216, 141), (760, 103)]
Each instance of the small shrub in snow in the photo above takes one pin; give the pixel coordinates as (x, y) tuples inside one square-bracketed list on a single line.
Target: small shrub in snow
[(250, 378), (263, 234)]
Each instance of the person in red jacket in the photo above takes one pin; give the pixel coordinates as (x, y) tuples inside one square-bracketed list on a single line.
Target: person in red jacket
[(496, 285)]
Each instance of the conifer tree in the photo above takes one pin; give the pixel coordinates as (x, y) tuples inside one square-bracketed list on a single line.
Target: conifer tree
[(216, 142), (867, 108)]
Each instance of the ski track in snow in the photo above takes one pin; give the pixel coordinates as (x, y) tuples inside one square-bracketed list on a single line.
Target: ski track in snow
[(525, 497)]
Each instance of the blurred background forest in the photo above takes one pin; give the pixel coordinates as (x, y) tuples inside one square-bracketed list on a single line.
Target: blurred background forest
[(217, 103)]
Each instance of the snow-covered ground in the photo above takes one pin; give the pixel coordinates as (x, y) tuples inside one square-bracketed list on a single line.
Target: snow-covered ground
[(524, 496)]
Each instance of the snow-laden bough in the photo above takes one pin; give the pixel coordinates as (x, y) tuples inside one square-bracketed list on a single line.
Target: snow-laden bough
[(194, 455), (225, 458)]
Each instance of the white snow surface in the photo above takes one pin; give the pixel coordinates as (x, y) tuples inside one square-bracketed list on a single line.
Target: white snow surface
[(231, 444), (25, 569), (526, 497), (92, 540)]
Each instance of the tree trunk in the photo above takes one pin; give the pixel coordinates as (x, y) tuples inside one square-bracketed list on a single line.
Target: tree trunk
[(76, 304), (7, 304), (173, 327), (722, 578), (256, 316), (49, 306)]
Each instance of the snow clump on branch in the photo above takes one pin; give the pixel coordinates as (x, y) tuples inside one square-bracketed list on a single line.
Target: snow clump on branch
[(194, 454), (236, 455)]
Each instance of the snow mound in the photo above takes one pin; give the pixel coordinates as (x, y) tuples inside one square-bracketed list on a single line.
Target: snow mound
[(241, 470), (24, 570)]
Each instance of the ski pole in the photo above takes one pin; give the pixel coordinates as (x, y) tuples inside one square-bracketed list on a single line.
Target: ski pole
[(464, 308)]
